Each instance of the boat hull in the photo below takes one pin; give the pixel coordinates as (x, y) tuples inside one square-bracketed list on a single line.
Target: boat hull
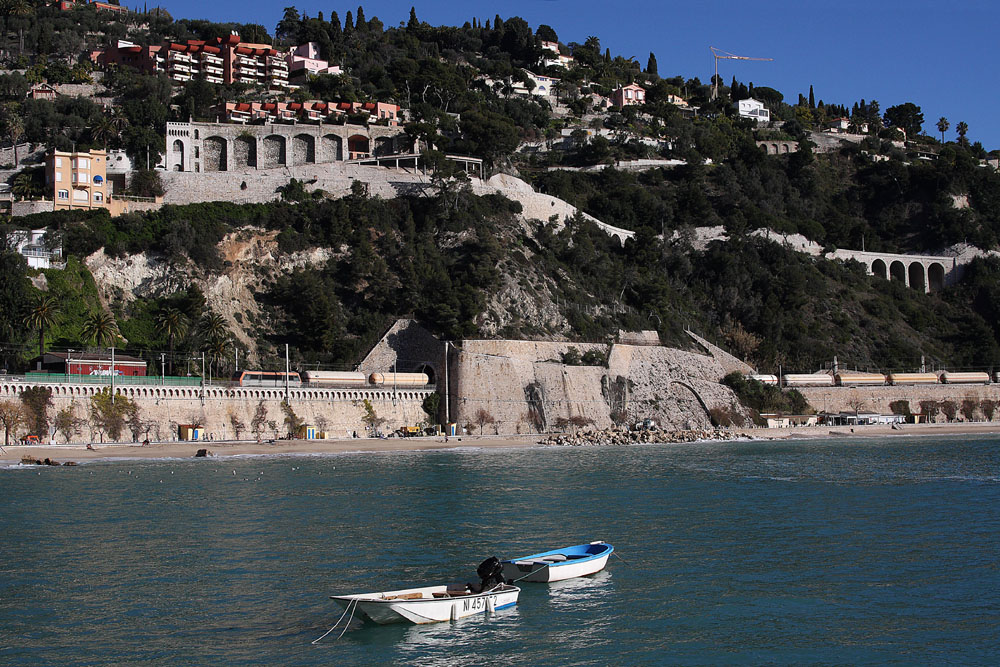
[(395, 607), (577, 561)]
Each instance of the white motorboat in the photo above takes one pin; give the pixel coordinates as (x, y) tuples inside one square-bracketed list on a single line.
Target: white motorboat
[(580, 560), (429, 604)]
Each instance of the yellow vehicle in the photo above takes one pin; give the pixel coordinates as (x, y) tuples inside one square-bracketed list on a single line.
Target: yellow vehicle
[(409, 431)]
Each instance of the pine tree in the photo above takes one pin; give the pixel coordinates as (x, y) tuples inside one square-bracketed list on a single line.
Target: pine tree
[(651, 64)]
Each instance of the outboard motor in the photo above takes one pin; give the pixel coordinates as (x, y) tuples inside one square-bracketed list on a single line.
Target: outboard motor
[(490, 573)]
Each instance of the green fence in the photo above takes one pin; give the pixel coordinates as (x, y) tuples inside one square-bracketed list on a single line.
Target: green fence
[(106, 379)]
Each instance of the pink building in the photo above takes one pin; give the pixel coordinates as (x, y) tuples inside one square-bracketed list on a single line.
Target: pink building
[(628, 95), (305, 61), (313, 110)]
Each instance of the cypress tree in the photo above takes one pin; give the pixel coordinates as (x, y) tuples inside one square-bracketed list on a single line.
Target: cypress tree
[(359, 20), (413, 23), (812, 98), (651, 64), (348, 23)]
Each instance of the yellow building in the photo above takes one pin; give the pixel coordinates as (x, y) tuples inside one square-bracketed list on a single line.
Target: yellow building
[(78, 180)]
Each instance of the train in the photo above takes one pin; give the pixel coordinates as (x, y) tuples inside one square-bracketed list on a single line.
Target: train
[(859, 379), (345, 379)]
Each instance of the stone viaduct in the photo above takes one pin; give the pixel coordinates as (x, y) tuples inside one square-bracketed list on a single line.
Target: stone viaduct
[(924, 272), (208, 147)]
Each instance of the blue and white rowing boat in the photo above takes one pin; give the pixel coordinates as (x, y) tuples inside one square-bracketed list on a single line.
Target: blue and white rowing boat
[(576, 561)]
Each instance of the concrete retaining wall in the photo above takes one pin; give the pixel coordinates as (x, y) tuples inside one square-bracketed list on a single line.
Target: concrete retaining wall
[(877, 399)]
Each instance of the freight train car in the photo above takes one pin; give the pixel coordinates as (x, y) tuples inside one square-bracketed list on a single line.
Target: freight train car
[(766, 379), (857, 379), (913, 378), (335, 378), (399, 379), (949, 377), (807, 380)]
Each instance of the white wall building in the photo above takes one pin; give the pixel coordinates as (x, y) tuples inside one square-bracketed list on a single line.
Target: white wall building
[(755, 109)]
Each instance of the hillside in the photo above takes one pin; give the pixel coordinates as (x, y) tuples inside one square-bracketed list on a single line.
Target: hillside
[(327, 274)]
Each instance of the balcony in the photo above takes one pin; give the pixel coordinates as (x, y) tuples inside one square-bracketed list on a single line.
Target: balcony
[(212, 58), (176, 56), (178, 67), (213, 79)]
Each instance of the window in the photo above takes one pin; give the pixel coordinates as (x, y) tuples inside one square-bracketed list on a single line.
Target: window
[(58, 162), (81, 163), (98, 196), (58, 176), (80, 195), (64, 194)]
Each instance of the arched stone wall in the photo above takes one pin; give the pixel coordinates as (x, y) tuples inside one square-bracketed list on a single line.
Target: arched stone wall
[(897, 271), (272, 152), (333, 148), (880, 269), (177, 155), (245, 152), (358, 145), (216, 154), (917, 276), (935, 277), (303, 149), (384, 146)]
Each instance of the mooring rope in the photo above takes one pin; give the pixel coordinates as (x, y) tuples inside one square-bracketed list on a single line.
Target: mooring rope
[(514, 581), (620, 558), (351, 606)]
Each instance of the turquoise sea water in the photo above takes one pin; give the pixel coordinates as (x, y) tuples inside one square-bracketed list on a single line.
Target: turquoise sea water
[(832, 552)]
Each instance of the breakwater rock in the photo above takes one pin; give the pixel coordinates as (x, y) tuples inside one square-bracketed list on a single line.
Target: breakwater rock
[(586, 437)]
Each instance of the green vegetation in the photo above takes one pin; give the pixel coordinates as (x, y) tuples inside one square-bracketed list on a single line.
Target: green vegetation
[(766, 399)]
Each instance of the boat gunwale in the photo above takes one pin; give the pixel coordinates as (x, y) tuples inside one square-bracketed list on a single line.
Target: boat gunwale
[(607, 550), (507, 588)]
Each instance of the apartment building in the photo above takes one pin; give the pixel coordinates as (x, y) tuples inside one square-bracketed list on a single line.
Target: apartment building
[(77, 179), (304, 61), (222, 60)]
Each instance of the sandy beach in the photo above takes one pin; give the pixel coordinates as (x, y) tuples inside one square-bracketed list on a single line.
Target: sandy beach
[(175, 449)]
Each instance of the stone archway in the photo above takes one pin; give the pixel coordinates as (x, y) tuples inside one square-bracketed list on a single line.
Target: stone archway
[(917, 276), (245, 152), (935, 277), (358, 146), (897, 271), (333, 148), (880, 269), (178, 155), (303, 148), (216, 154), (384, 146), (272, 151)]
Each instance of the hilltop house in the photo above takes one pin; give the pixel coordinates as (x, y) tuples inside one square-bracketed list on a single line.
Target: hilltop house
[(628, 95), (755, 109), (304, 61)]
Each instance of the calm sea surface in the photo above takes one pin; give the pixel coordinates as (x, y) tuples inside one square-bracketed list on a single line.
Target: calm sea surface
[(833, 552)]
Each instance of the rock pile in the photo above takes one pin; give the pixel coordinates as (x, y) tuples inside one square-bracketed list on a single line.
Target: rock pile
[(592, 437)]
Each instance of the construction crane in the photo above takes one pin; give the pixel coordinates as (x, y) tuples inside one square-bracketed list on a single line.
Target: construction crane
[(725, 55)]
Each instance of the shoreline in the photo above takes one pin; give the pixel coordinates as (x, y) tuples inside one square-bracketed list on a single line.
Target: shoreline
[(221, 449)]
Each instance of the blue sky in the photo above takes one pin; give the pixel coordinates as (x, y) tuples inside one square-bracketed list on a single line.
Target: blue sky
[(940, 56)]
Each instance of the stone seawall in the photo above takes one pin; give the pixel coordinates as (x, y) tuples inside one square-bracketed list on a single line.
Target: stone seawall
[(877, 399), (164, 408)]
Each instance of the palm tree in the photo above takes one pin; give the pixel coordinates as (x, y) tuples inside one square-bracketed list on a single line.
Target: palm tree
[(962, 128), (101, 328), (12, 124), (942, 126), (174, 323), (42, 317), (104, 131), (18, 9), (23, 187), (217, 352), (213, 327)]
